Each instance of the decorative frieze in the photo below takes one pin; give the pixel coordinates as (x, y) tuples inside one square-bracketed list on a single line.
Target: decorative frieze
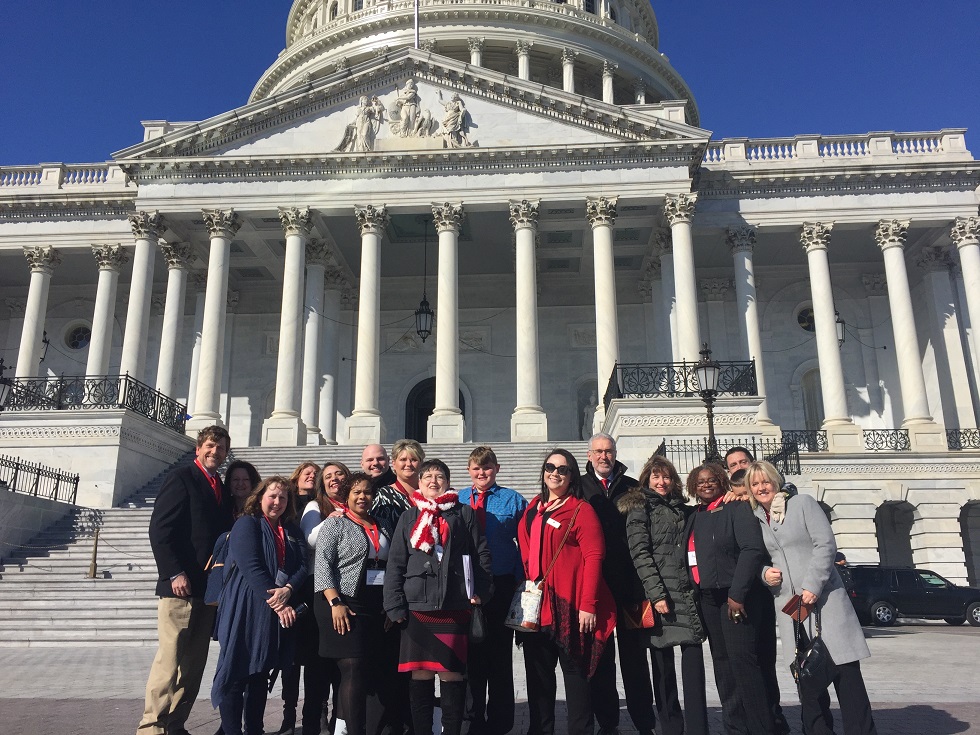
[(221, 223), (296, 220), (891, 233), (147, 225), (524, 214), (601, 211), (42, 259), (816, 235), (371, 219), (965, 231), (680, 208), (177, 254), (740, 239), (110, 257)]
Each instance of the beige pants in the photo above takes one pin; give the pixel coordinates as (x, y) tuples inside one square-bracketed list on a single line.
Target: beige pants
[(184, 628)]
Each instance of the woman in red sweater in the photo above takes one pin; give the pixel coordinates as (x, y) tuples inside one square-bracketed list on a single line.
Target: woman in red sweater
[(562, 546)]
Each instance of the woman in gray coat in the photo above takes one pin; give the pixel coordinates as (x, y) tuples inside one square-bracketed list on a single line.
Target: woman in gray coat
[(801, 543), (656, 518)]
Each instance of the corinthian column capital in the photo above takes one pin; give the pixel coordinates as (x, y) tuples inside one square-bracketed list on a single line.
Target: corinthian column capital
[(42, 259), (933, 260), (890, 233), (448, 217), (318, 252), (601, 211), (568, 55), (524, 214), (371, 219), (680, 208), (177, 254), (740, 239), (608, 68), (816, 235), (965, 231), (474, 44), (147, 225), (221, 223), (110, 257), (296, 220), (523, 47)]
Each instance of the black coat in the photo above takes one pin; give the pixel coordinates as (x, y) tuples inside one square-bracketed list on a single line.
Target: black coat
[(617, 567), (656, 532), (184, 526), (729, 548)]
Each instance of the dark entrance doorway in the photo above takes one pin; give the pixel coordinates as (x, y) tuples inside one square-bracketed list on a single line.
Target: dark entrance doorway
[(970, 529), (893, 523), (421, 400)]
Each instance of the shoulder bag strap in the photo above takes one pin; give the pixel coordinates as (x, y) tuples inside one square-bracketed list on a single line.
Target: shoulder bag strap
[(563, 540)]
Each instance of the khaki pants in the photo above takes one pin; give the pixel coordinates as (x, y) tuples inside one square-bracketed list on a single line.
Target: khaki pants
[(184, 628)]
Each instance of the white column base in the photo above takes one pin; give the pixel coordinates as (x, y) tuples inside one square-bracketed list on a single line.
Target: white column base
[(364, 429), (769, 430), (599, 418), (313, 437), (926, 436), (201, 421), (445, 428), (844, 438), (283, 431), (529, 425)]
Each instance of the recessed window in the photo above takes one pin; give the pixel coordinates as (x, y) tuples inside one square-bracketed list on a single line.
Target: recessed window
[(78, 337), (805, 319)]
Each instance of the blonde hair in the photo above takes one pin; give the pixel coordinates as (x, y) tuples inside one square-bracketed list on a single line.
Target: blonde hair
[(768, 471)]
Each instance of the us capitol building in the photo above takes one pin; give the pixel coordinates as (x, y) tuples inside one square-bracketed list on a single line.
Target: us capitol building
[(533, 177)]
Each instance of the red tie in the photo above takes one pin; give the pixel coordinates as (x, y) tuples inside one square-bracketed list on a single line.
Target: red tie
[(478, 503), (605, 485), (213, 480)]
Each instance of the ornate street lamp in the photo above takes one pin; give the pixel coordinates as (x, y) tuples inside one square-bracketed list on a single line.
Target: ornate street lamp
[(424, 314), (839, 323), (708, 371), (6, 386)]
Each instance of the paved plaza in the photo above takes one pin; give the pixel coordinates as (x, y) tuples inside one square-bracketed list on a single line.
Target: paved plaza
[(922, 679)]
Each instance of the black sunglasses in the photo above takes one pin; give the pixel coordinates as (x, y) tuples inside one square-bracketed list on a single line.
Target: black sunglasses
[(561, 469)]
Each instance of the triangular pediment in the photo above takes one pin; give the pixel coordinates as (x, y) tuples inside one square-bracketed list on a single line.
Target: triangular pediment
[(412, 101)]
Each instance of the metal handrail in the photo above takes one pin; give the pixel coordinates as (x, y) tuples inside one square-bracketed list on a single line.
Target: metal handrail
[(676, 380), (29, 478)]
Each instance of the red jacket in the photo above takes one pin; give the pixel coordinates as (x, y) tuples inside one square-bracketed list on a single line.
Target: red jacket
[(577, 574)]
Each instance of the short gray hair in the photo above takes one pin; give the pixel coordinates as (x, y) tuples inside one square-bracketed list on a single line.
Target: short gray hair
[(601, 435)]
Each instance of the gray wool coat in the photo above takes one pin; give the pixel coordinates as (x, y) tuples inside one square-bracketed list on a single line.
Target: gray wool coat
[(802, 547)]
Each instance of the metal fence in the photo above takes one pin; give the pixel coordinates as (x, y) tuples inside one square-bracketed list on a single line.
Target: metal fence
[(38, 480), (686, 454), (959, 439), (104, 391), (677, 380)]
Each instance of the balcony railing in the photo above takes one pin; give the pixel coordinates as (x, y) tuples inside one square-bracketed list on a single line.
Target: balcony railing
[(95, 392), (887, 440), (677, 380), (958, 439), (808, 440), (686, 454), (29, 478)]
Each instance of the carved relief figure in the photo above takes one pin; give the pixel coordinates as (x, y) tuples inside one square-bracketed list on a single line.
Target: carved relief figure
[(406, 113), (454, 123), (360, 134)]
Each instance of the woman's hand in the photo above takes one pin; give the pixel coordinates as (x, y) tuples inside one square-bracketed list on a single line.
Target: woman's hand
[(287, 616), (278, 597), (808, 598), (662, 607), (341, 618), (774, 577), (586, 622), (475, 600)]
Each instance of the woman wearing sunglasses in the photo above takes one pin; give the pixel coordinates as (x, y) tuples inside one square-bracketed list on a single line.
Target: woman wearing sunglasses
[(562, 548)]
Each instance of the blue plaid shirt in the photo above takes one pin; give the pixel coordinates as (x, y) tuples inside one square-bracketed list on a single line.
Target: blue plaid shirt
[(504, 508)]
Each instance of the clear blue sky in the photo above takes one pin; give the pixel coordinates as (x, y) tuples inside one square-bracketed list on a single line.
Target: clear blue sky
[(76, 77)]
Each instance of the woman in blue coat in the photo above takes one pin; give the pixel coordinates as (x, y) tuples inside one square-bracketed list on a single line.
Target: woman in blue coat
[(266, 564)]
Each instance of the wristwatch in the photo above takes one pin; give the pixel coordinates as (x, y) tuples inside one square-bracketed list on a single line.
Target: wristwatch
[(335, 602)]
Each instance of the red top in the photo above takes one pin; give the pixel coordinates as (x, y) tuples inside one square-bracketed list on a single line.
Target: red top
[(577, 575)]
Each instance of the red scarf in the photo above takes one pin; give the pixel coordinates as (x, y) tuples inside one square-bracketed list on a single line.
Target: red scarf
[(425, 532)]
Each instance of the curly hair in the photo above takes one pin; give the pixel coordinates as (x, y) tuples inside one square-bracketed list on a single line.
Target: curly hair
[(253, 506), (716, 470)]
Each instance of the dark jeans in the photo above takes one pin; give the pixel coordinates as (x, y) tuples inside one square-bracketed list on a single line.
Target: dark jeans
[(541, 656), (490, 667), (247, 697)]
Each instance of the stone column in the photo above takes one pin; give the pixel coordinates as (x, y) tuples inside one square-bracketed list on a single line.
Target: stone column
[(842, 434), (445, 425), (222, 226), (679, 211), (650, 288), (147, 229), (178, 257), (336, 284), (284, 428), (924, 433), (667, 285), (110, 259), (741, 240), (199, 280), (608, 72), (43, 261), (965, 234), (317, 253), (528, 422), (639, 91), (365, 425), (476, 51), (601, 213), (523, 50), (568, 69)]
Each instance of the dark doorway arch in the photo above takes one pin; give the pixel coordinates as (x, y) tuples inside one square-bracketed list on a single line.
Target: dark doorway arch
[(418, 407), (970, 530), (893, 524)]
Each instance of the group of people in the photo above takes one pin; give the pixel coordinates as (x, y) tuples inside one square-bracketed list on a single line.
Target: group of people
[(370, 584)]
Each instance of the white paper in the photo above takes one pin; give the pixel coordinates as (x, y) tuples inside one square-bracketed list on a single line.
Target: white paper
[(375, 576), (692, 560), (468, 575)]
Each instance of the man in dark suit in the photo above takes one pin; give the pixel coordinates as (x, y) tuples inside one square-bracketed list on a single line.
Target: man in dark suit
[(190, 512)]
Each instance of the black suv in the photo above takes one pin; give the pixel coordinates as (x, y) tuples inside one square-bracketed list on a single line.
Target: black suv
[(881, 594)]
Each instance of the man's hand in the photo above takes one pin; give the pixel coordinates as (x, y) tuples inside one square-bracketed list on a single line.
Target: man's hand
[(180, 585), (736, 611)]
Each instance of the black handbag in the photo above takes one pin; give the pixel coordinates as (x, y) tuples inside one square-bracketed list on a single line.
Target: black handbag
[(478, 625), (813, 667)]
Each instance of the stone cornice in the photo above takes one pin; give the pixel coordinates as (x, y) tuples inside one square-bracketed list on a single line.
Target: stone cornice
[(59, 207)]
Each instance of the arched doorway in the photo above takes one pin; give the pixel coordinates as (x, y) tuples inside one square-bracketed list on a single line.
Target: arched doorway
[(812, 400), (418, 407), (970, 530), (893, 525)]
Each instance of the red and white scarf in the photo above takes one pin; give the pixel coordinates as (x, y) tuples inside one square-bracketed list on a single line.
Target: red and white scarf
[(425, 532)]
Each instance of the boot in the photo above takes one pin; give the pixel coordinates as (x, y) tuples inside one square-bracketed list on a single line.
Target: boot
[(422, 700), (452, 699)]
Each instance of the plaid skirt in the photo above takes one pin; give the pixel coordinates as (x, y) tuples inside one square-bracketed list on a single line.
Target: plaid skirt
[(435, 640)]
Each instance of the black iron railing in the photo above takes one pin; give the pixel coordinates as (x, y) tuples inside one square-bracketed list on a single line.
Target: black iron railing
[(808, 440), (36, 479), (686, 454), (677, 380), (957, 439), (92, 392), (887, 440)]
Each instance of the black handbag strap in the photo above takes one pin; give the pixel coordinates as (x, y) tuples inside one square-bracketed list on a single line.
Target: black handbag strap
[(814, 629)]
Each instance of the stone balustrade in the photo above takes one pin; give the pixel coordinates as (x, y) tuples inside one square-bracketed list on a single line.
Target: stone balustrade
[(47, 177)]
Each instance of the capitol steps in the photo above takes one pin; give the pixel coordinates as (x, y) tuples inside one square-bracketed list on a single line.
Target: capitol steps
[(47, 599)]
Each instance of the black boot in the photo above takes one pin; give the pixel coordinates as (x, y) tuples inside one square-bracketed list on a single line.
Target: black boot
[(422, 700), (452, 699)]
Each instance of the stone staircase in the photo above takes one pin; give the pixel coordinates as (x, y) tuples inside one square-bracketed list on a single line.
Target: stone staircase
[(47, 599)]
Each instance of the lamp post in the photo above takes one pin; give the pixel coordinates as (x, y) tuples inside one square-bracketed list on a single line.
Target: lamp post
[(6, 386), (424, 314), (708, 372), (839, 323)]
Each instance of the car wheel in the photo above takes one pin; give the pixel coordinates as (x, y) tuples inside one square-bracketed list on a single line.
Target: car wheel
[(973, 613), (955, 621), (883, 613)]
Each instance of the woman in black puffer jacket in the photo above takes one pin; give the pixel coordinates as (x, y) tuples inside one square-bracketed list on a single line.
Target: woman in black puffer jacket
[(656, 516)]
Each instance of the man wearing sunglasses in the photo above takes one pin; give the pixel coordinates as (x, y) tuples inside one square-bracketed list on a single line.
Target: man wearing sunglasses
[(604, 481)]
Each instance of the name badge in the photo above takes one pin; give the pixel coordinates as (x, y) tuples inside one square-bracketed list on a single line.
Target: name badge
[(375, 576), (281, 578), (553, 523), (692, 559), (439, 551)]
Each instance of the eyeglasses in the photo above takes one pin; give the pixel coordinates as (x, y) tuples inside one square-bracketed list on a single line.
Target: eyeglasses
[(437, 476), (561, 469), (610, 452), (709, 481)]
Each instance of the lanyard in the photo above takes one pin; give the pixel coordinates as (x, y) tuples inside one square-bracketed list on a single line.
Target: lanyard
[(371, 531)]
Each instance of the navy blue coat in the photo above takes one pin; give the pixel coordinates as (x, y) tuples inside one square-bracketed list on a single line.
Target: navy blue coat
[(252, 641)]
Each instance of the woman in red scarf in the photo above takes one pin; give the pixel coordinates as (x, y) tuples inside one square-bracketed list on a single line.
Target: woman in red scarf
[(562, 546)]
